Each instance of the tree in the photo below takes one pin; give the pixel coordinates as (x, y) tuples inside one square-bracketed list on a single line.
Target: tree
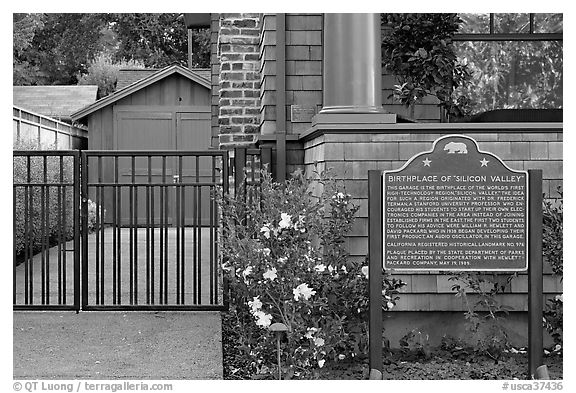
[(513, 74), (24, 28), (59, 48), (159, 40), (103, 72), (418, 50)]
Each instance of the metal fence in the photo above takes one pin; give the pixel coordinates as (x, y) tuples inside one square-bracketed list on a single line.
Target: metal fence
[(153, 242), (46, 223), (124, 230)]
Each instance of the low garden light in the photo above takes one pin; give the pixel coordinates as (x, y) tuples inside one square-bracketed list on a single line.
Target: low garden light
[(278, 328)]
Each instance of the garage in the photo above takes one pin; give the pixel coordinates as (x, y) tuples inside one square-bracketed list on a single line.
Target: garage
[(165, 111)]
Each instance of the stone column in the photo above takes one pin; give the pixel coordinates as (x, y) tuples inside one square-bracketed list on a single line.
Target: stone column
[(352, 64)]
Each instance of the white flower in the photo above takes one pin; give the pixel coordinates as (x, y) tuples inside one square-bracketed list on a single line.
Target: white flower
[(304, 291), (341, 356), (365, 271), (559, 298), (226, 267), (270, 274), (343, 268), (286, 221), (265, 251), (320, 268), (330, 268), (266, 230), (310, 332), (255, 305), (247, 272), (318, 342), (390, 305), (263, 319), (557, 347), (308, 258), (321, 363), (282, 259)]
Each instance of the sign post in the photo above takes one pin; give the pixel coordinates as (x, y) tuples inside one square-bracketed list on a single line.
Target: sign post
[(456, 208), (375, 268), (535, 301)]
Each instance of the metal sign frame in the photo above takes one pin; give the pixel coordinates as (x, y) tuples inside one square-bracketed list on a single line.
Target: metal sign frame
[(439, 268)]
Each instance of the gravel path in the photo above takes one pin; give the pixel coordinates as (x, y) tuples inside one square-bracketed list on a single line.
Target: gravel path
[(117, 345)]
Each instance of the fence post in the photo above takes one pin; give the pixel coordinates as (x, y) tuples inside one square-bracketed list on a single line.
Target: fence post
[(83, 199), (535, 301), (375, 268), (266, 159), (239, 165)]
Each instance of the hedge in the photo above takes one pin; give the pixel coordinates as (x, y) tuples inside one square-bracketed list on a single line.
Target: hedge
[(46, 222)]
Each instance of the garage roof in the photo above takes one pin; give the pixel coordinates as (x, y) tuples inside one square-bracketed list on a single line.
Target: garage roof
[(127, 76), (140, 84), (58, 102)]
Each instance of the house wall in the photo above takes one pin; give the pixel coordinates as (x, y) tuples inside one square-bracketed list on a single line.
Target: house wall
[(172, 92), (303, 76), (351, 153)]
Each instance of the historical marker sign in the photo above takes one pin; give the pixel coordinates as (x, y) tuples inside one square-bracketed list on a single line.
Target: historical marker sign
[(455, 208), (302, 113)]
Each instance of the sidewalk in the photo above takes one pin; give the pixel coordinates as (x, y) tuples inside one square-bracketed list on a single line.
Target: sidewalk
[(117, 345)]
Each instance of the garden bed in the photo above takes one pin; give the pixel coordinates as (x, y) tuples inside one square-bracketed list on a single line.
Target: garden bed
[(398, 365)]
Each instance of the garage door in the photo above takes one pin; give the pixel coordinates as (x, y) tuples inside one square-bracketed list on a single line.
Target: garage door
[(169, 130)]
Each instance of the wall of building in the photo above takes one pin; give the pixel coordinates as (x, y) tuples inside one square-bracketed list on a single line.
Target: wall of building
[(351, 153), (173, 93), (237, 57), (303, 68)]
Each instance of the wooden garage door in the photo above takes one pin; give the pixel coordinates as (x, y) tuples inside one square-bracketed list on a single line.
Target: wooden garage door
[(169, 130)]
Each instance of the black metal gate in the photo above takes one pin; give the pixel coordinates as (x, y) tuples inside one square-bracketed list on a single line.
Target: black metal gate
[(46, 225), (151, 231)]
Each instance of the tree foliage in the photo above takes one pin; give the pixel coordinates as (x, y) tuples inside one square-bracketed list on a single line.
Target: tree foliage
[(510, 75), (513, 74), (58, 49), (103, 72), (418, 50), (159, 40)]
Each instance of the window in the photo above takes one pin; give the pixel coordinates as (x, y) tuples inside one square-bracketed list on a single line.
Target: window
[(515, 60)]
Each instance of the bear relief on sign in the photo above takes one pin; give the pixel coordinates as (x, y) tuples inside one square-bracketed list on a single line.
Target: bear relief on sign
[(456, 147)]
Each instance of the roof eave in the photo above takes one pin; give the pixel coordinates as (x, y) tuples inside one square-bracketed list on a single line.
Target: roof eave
[(82, 113)]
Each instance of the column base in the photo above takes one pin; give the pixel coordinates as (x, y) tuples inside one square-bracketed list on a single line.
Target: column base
[(353, 118)]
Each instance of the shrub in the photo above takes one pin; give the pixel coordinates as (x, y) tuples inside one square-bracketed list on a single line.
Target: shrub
[(93, 211), (553, 317), (418, 50), (34, 230), (484, 317), (286, 261), (553, 233), (553, 253)]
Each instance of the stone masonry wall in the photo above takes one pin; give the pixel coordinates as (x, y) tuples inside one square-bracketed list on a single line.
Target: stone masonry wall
[(239, 79), (351, 155)]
